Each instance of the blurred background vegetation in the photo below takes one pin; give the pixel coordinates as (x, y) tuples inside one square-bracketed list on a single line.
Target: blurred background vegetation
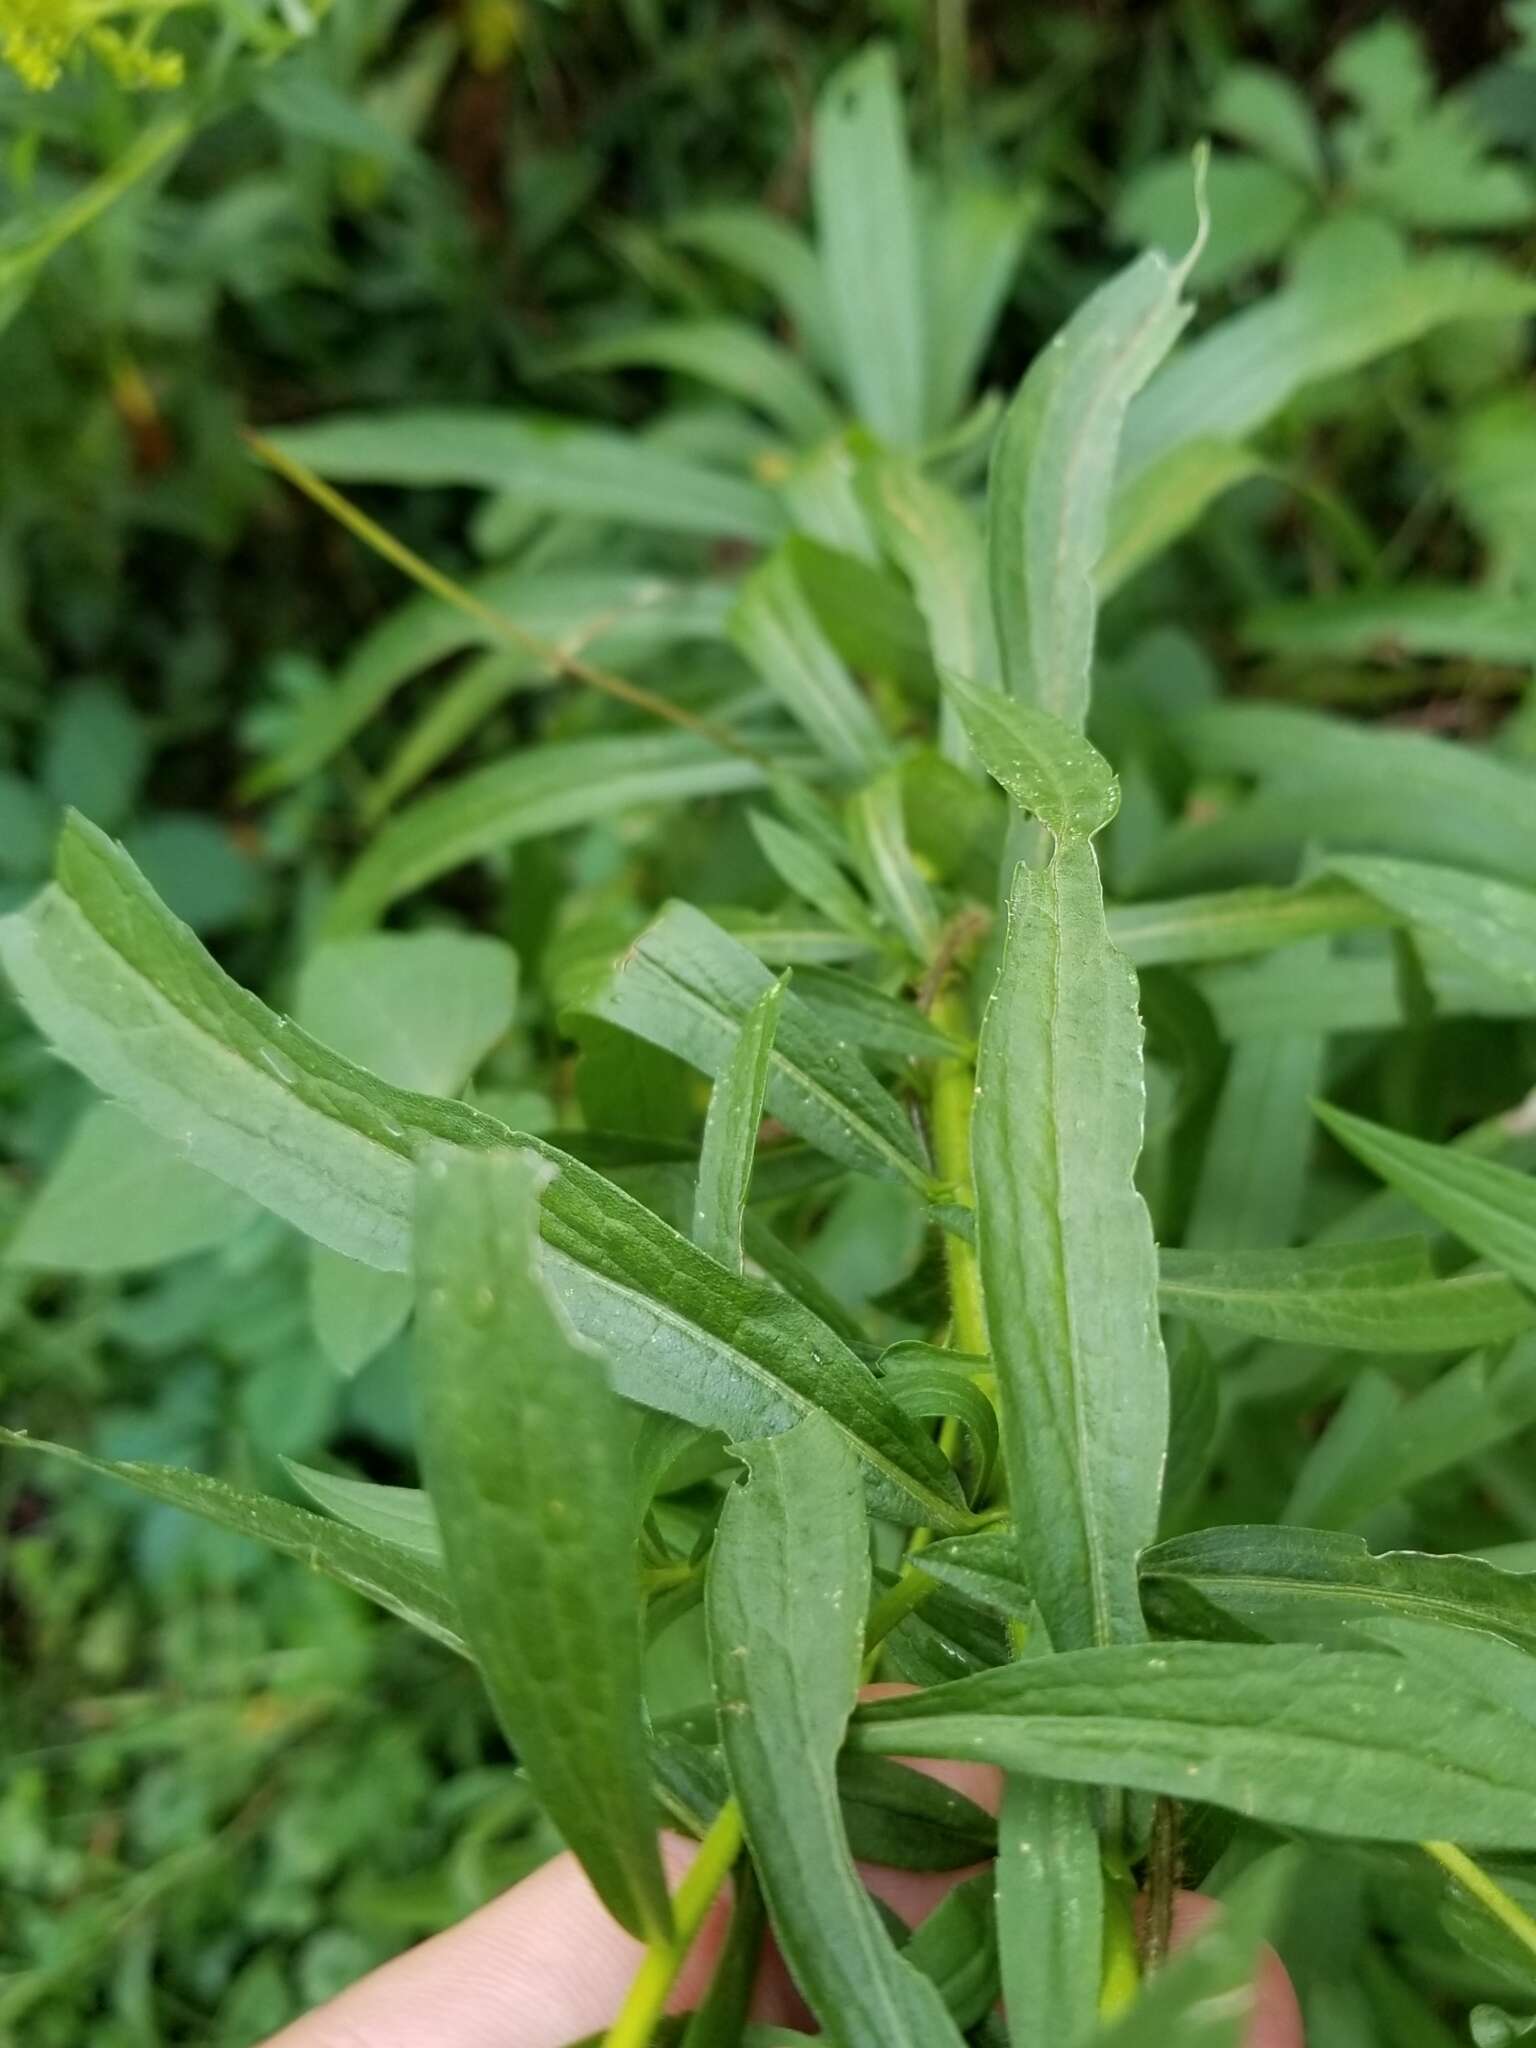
[(225, 1789)]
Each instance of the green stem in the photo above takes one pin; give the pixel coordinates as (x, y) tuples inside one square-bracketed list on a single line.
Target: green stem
[(954, 1093), (1489, 1894), (642, 2009)]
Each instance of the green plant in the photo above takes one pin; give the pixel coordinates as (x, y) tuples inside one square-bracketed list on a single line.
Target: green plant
[(699, 962), (649, 1386)]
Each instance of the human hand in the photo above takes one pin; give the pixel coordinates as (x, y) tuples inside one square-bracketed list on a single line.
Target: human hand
[(544, 1965)]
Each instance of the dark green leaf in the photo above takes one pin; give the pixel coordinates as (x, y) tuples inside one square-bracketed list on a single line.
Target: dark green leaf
[(526, 1452), (730, 1133)]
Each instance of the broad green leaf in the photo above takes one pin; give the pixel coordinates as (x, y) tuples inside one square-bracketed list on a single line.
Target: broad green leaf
[(404, 1584), (355, 1310), (1048, 769), (787, 1592), (1053, 475), (774, 255), (1271, 114), (1490, 1207), (730, 1133), (1379, 1296), (1491, 923), (867, 230), (613, 616), (1379, 1445), (544, 789), (727, 354), (401, 1515), (985, 1568), (1333, 1743), (1309, 1584), (420, 1009), (686, 985), (877, 826), (1228, 923), (130, 997), (773, 625), (526, 1453), (1067, 1258), (1354, 294), (1050, 1909), (118, 1197), (588, 472)]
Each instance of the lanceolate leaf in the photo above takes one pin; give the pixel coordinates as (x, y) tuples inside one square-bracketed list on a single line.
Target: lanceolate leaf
[(526, 1452), (129, 996), (867, 227), (1048, 770), (1490, 1207), (1050, 1909), (1053, 474), (1228, 923), (1337, 1744), (402, 1515), (730, 1133), (1067, 1258), (1379, 1295), (775, 628), (526, 796), (404, 1583), (589, 472), (725, 353), (1493, 923), (687, 985), (1308, 1585), (788, 1589)]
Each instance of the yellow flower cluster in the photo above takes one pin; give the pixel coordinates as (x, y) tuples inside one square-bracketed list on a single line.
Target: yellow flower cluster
[(37, 37)]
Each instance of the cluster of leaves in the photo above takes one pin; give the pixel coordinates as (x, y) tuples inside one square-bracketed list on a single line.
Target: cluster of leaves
[(745, 1141)]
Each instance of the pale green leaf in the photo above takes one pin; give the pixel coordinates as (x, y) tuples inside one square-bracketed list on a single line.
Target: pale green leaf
[(402, 1515), (727, 354), (1053, 475), (118, 1197), (774, 626), (420, 1009), (867, 232), (1048, 769), (355, 1310)]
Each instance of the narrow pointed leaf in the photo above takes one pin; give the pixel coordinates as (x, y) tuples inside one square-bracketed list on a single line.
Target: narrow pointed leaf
[(727, 354), (1050, 1909), (1492, 923), (1065, 1242), (1490, 1207), (687, 985), (867, 228), (130, 997), (1334, 1743), (1048, 770), (402, 1515), (526, 1453), (404, 1583), (778, 632), (527, 796), (1053, 477), (1227, 923), (788, 1589), (1308, 1585), (730, 1133), (1377, 1296)]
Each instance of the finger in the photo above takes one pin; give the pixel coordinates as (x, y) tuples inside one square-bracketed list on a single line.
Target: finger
[(543, 1965), (1276, 2021)]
